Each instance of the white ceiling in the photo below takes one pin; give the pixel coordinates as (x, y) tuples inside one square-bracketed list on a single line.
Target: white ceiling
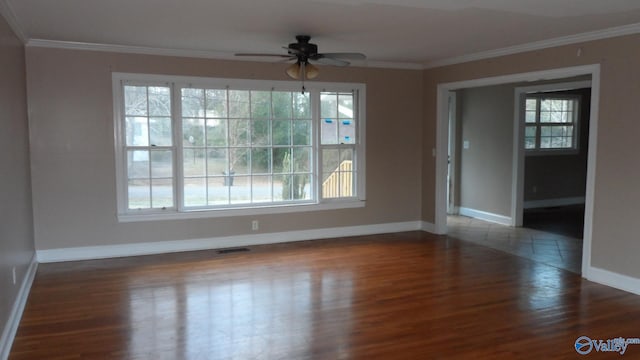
[(389, 31)]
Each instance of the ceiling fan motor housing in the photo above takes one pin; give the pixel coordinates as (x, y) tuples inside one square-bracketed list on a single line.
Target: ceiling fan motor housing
[(303, 49)]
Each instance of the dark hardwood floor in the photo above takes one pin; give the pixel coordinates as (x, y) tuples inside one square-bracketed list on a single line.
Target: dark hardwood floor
[(561, 220), (398, 296)]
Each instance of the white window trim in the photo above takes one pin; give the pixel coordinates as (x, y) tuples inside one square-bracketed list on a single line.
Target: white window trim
[(248, 211), (176, 212)]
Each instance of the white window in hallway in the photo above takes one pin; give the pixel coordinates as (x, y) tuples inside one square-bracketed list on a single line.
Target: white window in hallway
[(551, 123), (197, 147)]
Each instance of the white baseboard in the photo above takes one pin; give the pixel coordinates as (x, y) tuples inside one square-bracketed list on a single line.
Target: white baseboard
[(612, 279), (161, 247), (534, 204), (11, 327), (428, 227), (486, 216)]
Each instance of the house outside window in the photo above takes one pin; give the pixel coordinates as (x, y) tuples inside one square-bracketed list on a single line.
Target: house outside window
[(199, 147)]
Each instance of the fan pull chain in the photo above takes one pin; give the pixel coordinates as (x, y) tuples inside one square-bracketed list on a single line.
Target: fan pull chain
[(304, 75)]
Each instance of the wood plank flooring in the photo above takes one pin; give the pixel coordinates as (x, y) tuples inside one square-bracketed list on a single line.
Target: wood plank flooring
[(397, 296)]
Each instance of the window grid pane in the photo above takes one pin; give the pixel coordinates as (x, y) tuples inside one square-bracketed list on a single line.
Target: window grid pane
[(553, 127), (338, 173), (258, 153), (338, 140), (236, 147), (148, 153)]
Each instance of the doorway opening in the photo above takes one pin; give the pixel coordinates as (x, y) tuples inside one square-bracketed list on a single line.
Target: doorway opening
[(552, 124), (514, 215), (555, 162)]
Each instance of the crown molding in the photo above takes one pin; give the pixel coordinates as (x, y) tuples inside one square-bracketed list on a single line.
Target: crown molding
[(538, 45), (73, 45), (390, 65), (630, 29), (7, 12)]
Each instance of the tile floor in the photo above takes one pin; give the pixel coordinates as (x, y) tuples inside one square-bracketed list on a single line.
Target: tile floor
[(552, 249)]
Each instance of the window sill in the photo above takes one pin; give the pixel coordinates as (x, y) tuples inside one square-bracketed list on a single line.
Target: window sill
[(267, 210), (552, 152)]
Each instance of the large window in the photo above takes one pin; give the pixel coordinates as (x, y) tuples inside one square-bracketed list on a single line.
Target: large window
[(184, 145), (551, 123)]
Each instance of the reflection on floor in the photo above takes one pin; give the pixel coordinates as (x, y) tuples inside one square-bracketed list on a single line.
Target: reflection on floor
[(552, 249)]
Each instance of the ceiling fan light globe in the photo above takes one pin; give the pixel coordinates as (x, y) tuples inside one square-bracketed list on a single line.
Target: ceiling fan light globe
[(312, 71), (294, 71)]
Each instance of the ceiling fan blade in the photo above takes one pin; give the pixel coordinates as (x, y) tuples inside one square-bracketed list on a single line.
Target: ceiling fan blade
[(330, 61), (289, 58), (256, 55), (293, 51), (345, 55)]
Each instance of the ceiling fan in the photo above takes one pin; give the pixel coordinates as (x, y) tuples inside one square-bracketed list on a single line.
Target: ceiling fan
[(304, 52)]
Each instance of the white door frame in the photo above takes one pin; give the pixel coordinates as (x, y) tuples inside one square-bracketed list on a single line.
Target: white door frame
[(451, 155), (442, 139), (518, 166)]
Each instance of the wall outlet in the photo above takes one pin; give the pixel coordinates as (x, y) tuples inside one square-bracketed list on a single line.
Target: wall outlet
[(13, 273), (255, 225), (534, 189), (465, 144)]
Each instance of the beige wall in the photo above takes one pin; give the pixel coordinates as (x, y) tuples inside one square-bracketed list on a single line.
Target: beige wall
[(486, 166), (16, 228), (615, 244), (73, 151), (72, 145)]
